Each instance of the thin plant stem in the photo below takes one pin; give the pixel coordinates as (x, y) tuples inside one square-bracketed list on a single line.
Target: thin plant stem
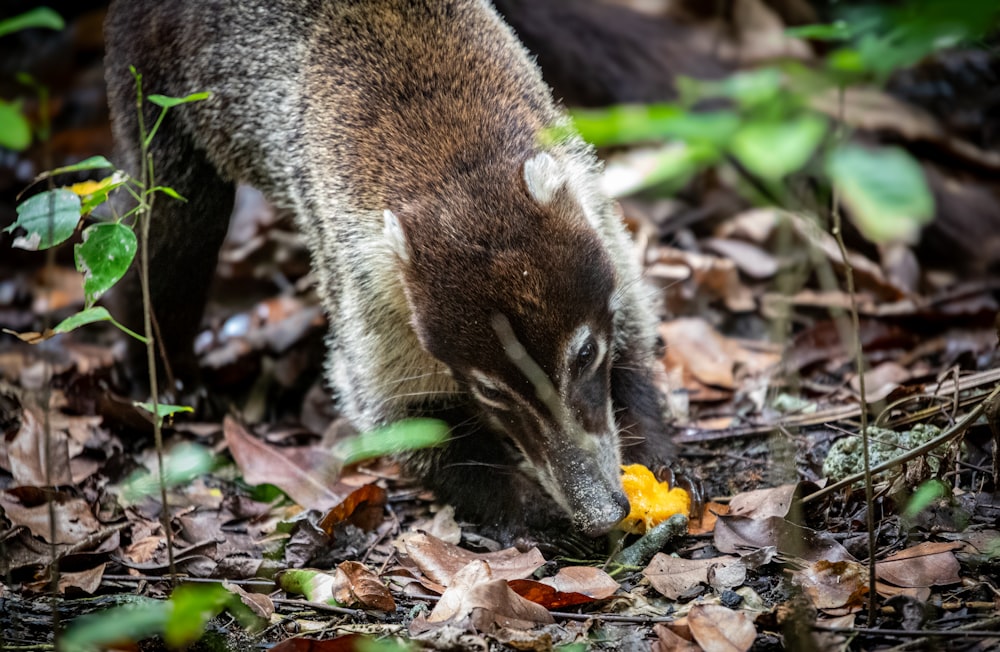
[(147, 200), (859, 362)]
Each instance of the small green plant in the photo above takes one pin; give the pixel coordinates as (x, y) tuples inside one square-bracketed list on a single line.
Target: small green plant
[(109, 246)]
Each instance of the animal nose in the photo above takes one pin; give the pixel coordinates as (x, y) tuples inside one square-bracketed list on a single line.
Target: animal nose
[(602, 521)]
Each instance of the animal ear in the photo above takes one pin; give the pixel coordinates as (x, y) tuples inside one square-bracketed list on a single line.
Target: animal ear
[(543, 176), (396, 236)]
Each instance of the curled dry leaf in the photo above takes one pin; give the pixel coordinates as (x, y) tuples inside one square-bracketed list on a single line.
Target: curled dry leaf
[(355, 584), (719, 629), (260, 605), (486, 602), (440, 561)]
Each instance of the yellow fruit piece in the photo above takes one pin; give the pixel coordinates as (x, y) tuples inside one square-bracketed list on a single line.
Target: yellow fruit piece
[(652, 501), (85, 188)]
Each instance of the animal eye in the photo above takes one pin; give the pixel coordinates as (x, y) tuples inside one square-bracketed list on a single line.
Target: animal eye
[(490, 393), (585, 356)]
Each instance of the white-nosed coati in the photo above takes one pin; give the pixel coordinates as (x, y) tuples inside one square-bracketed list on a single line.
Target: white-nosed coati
[(469, 266)]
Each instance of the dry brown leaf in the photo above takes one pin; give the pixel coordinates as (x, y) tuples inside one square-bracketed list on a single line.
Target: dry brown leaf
[(547, 596), (925, 564), (832, 641), (74, 520), (705, 522), (920, 593), (303, 476), (881, 380), (440, 561), (474, 595), (673, 576), (362, 507), (752, 260), (735, 534), (719, 629), (834, 585), (88, 581), (587, 580), (26, 454), (776, 501), (668, 641), (259, 604), (703, 274), (356, 584), (56, 287)]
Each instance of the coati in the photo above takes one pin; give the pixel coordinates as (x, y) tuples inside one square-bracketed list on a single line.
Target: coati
[(467, 262)]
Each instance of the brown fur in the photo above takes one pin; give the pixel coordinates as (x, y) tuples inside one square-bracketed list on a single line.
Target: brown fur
[(406, 138)]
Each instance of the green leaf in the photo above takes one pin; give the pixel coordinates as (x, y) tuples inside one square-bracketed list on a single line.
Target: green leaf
[(167, 102), (835, 31), (748, 89), (37, 17), (103, 257), (49, 218), (192, 606), (885, 190), (773, 150), (631, 124), (92, 163), (163, 410), (167, 190), (924, 496), (89, 316), (315, 585), (15, 132), (182, 464), (405, 435), (133, 622), (82, 318)]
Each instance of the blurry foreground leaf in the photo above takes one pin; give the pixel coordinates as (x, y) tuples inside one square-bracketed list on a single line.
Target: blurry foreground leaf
[(181, 465), (35, 18), (99, 631), (885, 189), (924, 496), (15, 132), (405, 435), (193, 606)]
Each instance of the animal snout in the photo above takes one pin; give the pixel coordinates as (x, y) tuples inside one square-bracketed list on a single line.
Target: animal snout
[(604, 517)]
